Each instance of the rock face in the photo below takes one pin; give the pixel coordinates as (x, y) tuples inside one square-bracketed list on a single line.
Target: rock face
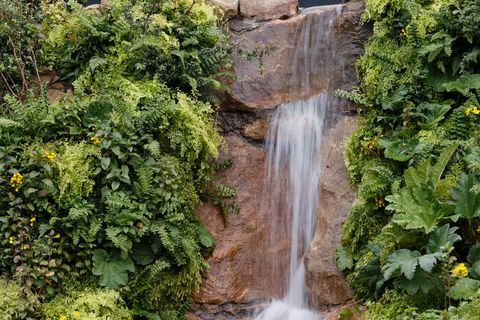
[(268, 9), (326, 285), (236, 265), (270, 78), (237, 279)]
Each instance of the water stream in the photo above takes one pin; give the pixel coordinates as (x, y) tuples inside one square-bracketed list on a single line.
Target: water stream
[(294, 167)]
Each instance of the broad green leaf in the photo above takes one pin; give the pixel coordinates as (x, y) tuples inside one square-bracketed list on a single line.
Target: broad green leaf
[(418, 177), (421, 281), (439, 167), (416, 208), (344, 259), (432, 113), (112, 269), (464, 84), (398, 150), (105, 163), (441, 237), (402, 260), (474, 253), (467, 200), (465, 289), (142, 254), (428, 261)]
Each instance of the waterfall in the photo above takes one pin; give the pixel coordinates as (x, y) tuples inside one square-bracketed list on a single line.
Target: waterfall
[(294, 165)]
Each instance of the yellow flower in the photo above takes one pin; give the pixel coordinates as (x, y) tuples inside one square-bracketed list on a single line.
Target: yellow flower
[(460, 271), (16, 180), (49, 155), (10, 240), (468, 110), (24, 247), (33, 219), (476, 111), (62, 317), (478, 228), (57, 236), (76, 314), (95, 140)]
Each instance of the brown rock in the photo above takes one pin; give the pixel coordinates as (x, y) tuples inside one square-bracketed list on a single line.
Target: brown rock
[(257, 130), (326, 285), (268, 9), (228, 7), (275, 73), (236, 274)]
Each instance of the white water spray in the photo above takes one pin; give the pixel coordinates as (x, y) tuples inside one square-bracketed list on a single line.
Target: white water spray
[(294, 167)]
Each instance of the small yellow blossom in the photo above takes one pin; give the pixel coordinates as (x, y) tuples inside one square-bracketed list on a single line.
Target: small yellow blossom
[(468, 110), (33, 219), (16, 180), (95, 140), (57, 236), (460, 271), (478, 228), (24, 247), (49, 155), (76, 314), (62, 317), (476, 111), (10, 240)]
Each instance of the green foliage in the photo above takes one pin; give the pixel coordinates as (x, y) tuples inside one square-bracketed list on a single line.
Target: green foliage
[(19, 45), (102, 185), (88, 304), (419, 98), (15, 302), (174, 41)]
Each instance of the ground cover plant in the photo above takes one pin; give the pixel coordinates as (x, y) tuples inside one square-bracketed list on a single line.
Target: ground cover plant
[(98, 188), (412, 240)]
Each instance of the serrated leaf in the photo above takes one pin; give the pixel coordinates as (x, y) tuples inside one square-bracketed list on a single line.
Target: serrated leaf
[(417, 208), (112, 269), (464, 84), (421, 281), (344, 259), (402, 260), (467, 200), (428, 261), (474, 253), (441, 237), (465, 289)]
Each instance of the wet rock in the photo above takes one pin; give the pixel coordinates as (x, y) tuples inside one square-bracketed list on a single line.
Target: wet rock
[(236, 272), (268, 9), (228, 7), (262, 54), (326, 285), (257, 130)]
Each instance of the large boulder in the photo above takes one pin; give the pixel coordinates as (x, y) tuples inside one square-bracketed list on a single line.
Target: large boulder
[(326, 285), (266, 76), (268, 9)]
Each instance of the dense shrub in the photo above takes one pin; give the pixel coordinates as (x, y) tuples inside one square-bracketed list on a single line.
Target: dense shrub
[(415, 227), (101, 185), (87, 305), (16, 302)]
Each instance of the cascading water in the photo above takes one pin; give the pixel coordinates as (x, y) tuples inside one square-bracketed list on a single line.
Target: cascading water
[(294, 166)]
